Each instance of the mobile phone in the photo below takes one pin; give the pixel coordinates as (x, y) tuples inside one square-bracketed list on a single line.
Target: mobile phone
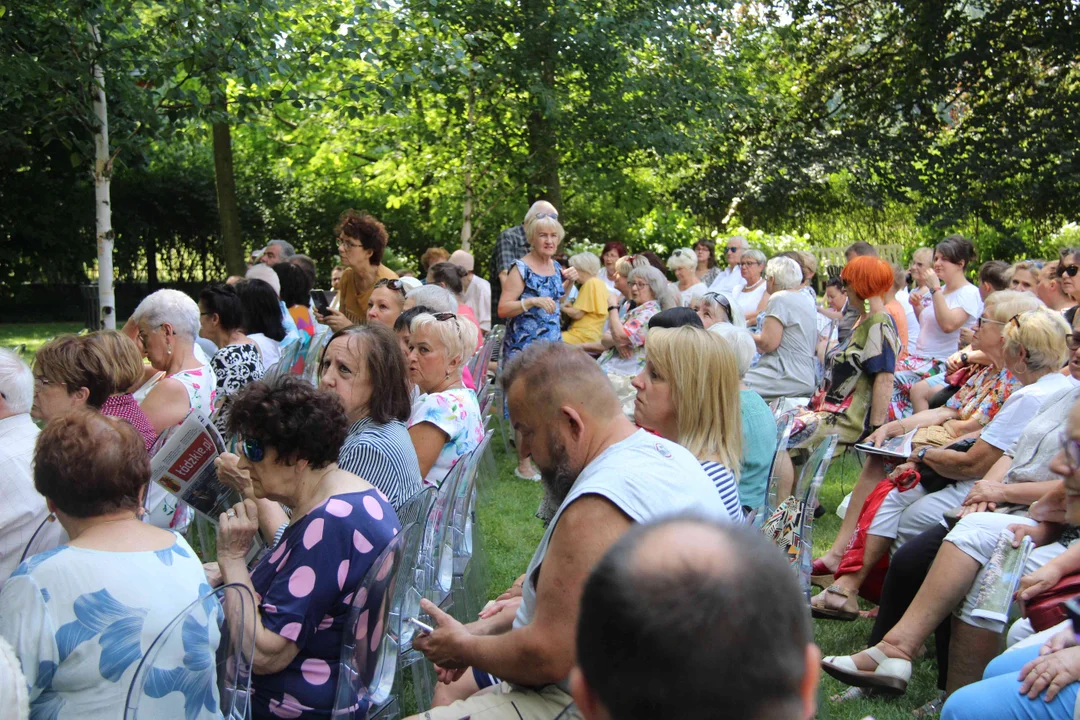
[(1072, 610), (318, 297), (420, 625)]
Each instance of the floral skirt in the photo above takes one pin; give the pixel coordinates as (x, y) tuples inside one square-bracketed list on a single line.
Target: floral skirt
[(909, 371)]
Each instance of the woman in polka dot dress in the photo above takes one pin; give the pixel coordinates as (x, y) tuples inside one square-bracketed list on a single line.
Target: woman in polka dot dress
[(289, 435)]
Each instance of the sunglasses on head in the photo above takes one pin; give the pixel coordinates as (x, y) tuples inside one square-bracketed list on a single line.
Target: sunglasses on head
[(442, 317), (718, 298), (253, 449), (395, 285), (552, 216)]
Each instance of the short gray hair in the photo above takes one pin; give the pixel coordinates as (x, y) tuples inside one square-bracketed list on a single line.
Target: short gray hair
[(741, 342), (436, 297), (172, 307), (682, 258), (585, 262), (754, 254), (785, 273), (16, 382), (287, 250), (457, 334), (659, 285)]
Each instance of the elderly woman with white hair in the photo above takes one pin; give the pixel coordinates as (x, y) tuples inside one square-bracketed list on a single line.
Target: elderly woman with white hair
[(683, 262), (445, 423), (589, 311), (718, 307), (754, 295), (166, 324), (788, 336), (649, 290), (758, 423)]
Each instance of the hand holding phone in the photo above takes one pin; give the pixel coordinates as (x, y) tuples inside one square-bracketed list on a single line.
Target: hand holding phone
[(318, 298)]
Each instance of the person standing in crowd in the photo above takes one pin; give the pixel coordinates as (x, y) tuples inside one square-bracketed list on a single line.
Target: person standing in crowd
[(238, 360), (477, 290), (706, 270), (603, 475), (531, 292), (361, 242), (609, 256), (921, 261), (900, 294), (511, 246), (589, 311), (731, 280), (268, 276), (335, 285), (684, 617), (23, 508), (753, 296), (166, 323), (683, 263), (432, 257), (276, 251)]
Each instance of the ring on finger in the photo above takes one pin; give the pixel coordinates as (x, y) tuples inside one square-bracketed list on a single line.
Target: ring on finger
[(231, 513)]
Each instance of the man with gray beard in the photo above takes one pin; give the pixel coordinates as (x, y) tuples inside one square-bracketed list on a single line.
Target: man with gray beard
[(606, 475)]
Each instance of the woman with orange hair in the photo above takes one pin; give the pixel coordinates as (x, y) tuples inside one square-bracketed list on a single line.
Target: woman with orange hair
[(854, 398)]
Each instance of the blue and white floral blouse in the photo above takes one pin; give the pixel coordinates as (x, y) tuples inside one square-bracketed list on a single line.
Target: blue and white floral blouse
[(457, 414), (80, 621)]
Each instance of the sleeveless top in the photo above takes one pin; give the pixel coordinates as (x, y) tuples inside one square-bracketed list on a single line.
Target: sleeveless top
[(645, 476), (535, 323), (201, 386)]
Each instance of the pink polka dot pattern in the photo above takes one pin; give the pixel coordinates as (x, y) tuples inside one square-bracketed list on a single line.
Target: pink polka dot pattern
[(361, 625), (361, 543), (290, 631), (376, 637), (361, 597), (302, 581), (326, 622), (284, 560), (347, 599), (268, 608), (313, 534), (338, 508), (315, 671), (387, 566), (342, 574), (276, 555), (373, 507)]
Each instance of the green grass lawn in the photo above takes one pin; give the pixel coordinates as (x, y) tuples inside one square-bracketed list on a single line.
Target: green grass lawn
[(506, 519)]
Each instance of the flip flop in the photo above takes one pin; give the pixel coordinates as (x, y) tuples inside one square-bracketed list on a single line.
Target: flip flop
[(891, 675), (847, 613)]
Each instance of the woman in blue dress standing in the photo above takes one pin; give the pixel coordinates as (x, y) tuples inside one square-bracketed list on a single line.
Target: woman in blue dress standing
[(530, 300)]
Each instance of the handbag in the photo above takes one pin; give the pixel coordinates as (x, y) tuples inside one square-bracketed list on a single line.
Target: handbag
[(1047, 609), (931, 480)]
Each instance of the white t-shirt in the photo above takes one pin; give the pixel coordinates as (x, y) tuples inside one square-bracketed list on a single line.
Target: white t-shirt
[(1020, 408), (912, 339), (935, 342), (691, 294), (270, 349), (748, 301), (729, 280)]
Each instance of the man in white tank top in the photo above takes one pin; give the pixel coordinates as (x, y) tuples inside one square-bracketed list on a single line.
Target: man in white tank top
[(606, 475)]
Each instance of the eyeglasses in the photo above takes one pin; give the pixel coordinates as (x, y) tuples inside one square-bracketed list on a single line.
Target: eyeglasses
[(731, 248), (1071, 448), (395, 285), (253, 449), (343, 241), (1069, 270), (40, 382), (639, 284), (748, 263), (1073, 341)]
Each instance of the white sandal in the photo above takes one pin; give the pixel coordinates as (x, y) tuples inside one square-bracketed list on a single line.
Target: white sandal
[(891, 675)]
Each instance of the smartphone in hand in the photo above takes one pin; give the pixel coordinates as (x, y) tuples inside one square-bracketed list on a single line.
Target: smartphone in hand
[(318, 298)]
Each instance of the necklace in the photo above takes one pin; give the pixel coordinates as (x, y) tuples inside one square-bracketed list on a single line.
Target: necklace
[(750, 288)]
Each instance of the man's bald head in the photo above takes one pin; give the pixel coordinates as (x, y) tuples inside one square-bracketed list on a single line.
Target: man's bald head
[(685, 616), (556, 374)]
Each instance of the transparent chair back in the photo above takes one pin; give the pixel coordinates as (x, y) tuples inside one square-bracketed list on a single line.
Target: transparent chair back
[(311, 359), (408, 593), (371, 637), (807, 489), (199, 666), (784, 424), (49, 534), (464, 507)]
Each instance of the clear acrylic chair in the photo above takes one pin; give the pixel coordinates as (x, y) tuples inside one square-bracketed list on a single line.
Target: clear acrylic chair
[(810, 481), (784, 424), (470, 580), (413, 516), (367, 668), (199, 666)]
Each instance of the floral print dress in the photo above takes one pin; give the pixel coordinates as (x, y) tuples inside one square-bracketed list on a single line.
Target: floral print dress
[(457, 413), (636, 326)]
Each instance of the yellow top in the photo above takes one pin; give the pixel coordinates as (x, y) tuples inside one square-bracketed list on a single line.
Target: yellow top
[(354, 305), (592, 299)]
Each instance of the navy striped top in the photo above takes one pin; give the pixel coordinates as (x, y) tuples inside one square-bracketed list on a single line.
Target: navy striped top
[(384, 456), (725, 483)]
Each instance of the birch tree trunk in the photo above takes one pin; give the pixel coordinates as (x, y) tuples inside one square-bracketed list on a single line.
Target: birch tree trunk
[(102, 203), (467, 207)]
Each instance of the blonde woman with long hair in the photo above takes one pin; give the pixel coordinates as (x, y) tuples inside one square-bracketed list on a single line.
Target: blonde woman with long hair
[(688, 392)]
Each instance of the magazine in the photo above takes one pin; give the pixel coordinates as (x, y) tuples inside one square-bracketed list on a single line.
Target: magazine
[(184, 466), (896, 447), (999, 578)]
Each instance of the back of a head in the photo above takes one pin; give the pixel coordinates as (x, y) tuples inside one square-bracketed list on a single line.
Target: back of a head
[(685, 618), (287, 249), (995, 274), (113, 359), (438, 298), (556, 374), (172, 307), (262, 313), (433, 256), (861, 249), (267, 275), (741, 342), (1004, 304), (868, 276), (294, 283), (585, 262), (449, 275), (224, 301), (404, 320), (16, 382), (675, 317), (306, 264)]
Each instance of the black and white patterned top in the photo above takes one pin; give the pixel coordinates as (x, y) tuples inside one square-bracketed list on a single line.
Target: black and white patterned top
[(384, 456), (235, 366)]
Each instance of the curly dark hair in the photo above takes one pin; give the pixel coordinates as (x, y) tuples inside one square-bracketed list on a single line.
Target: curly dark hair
[(90, 465), (292, 417), (364, 229)]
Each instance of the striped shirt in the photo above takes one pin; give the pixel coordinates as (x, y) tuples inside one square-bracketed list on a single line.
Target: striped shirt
[(725, 483), (384, 456)]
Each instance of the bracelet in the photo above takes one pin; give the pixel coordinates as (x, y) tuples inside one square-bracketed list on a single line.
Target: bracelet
[(933, 291), (612, 307), (523, 308)]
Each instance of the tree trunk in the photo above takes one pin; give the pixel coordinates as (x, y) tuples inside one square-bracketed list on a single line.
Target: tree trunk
[(102, 204), (467, 206), (228, 207), (539, 43)]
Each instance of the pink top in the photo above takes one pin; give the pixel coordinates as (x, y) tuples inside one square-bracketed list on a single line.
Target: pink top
[(466, 311), (125, 408)]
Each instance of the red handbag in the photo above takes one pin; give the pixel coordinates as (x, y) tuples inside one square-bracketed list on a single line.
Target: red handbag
[(1047, 609)]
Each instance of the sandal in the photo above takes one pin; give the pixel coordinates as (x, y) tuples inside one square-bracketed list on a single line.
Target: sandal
[(821, 575), (891, 675), (849, 611)]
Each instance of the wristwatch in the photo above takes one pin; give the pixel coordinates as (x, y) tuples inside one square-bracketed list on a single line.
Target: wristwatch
[(612, 307), (921, 455), (964, 358)]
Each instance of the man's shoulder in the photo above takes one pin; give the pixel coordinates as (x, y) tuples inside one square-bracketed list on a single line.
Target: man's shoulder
[(481, 283), (512, 233)]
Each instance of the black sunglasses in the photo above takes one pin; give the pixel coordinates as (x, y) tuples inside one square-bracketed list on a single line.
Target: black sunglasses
[(718, 298), (442, 317), (1070, 270)]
